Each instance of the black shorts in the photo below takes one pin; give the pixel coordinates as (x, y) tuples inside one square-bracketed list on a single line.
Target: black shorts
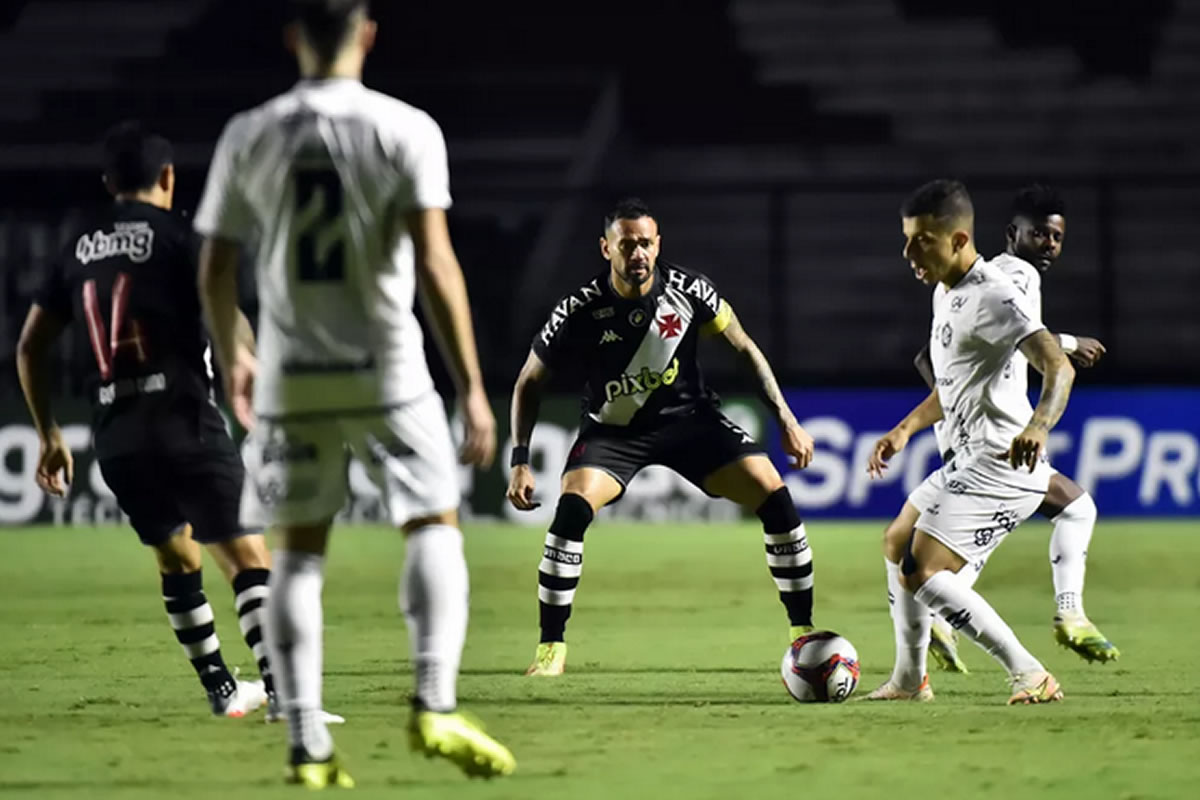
[(163, 490), (695, 446)]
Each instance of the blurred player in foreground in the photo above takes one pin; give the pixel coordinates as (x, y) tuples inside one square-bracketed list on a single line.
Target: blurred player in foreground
[(347, 190), (995, 474), (1035, 235), (633, 330), (127, 283)]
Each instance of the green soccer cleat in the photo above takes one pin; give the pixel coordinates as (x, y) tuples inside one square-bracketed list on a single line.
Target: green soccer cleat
[(943, 647), (796, 631), (319, 775), (1079, 634), (550, 660), (461, 740)]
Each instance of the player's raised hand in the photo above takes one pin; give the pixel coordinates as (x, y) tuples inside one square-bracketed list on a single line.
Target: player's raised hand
[(239, 388), (798, 445), (1088, 351), (520, 488), (56, 466), (1027, 448), (479, 441), (891, 443)]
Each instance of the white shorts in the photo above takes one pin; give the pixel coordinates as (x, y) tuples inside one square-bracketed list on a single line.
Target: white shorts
[(970, 506), (296, 471)]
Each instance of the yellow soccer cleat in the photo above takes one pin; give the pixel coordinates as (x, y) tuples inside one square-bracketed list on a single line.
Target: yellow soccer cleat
[(796, 631), (943, 647), (461, 740), (1035, 687), (319, 775), (1079, 634), (890, 691), (550, 661)]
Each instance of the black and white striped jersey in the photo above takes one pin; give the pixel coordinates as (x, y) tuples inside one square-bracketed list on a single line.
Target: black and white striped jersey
[(638, 356)]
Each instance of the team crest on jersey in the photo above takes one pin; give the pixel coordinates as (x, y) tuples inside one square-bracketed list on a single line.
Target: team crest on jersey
[(945, 334), (134, 240), (669, 325), (637, 318)]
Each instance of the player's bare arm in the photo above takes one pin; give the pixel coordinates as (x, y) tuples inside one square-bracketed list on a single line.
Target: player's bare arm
[(1058, 375), (924, 364), (444, 296), (927, 412), (796, 441), (232, 336), (526, 402), (56, 468)]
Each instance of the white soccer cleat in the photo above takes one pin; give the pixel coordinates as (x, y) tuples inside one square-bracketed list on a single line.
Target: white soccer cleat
[(890, 691), (248, 697), (1030, 688), (275, 714)]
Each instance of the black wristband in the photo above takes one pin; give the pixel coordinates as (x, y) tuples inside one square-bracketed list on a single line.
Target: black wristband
[(520, 455)]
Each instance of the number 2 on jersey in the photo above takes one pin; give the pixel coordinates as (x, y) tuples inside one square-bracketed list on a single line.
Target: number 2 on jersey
[(317, 258), (104, 347)]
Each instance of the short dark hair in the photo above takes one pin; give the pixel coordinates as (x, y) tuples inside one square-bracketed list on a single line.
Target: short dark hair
[(325, 23), (1038, 201), (942, 198), (134, 157), (627, 208)]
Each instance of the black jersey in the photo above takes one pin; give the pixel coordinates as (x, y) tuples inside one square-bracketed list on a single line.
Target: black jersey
[(127, 282), (639, 356)]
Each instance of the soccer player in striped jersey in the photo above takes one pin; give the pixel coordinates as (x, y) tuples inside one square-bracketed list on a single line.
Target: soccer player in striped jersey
[(127, 285), (633, 330)]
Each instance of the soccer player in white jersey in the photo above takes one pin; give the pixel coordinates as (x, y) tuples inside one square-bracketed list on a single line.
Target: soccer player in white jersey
[(997, 475), (345, 190), (1035, 236)]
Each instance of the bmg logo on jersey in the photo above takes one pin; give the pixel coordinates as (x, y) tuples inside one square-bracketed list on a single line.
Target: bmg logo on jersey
[(132, 239), (644, 381)]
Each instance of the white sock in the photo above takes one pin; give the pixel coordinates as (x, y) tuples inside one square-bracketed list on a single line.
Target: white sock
[(965, 610), (967, 577), (911, 622), (434, 597), (293, 632), (1068, 552)]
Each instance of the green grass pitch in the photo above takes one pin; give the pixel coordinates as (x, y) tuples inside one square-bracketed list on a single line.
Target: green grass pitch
[(672, 687)]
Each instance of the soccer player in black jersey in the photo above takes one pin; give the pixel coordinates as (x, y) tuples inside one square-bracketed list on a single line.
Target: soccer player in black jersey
[(633, 329), (127, 283)]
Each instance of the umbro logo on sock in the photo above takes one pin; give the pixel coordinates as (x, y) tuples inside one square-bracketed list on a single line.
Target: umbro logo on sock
[(609, 337), (959, 618)]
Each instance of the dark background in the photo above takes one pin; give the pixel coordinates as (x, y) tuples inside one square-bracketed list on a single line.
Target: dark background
[(775, 140)]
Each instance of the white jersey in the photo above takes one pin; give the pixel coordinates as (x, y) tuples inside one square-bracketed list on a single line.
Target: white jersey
[(322, 177), (1015, 377), (976, 329)]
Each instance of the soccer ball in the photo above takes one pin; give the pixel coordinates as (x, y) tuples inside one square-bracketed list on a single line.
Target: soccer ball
[(821, 667)]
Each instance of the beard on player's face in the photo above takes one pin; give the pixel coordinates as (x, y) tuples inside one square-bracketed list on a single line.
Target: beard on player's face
[(635, 273)]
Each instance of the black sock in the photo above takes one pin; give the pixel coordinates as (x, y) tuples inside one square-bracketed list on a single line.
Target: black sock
[(562, 565), (250, 596), (788, 555), (192, 618)]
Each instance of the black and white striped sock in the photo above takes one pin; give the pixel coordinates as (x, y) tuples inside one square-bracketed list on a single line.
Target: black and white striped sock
[(250, 593), (562, 565), (789, 557), (192, 619)]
